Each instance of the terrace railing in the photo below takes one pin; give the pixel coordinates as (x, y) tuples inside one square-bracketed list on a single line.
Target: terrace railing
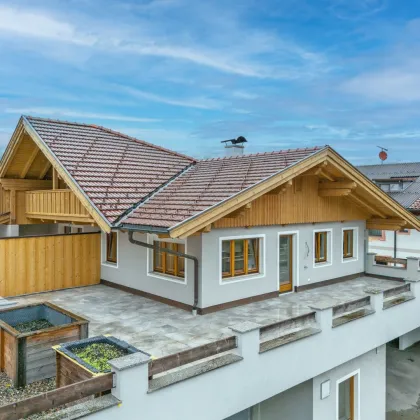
[(400, 268), (55, 205), (56, 397)]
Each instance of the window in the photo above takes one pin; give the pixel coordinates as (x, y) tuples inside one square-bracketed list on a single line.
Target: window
[(321, 247), (348, 237), (166, 263), (240, 257), (79, 230), (404, 231), (67, 229), (111, 247), (375, 233)]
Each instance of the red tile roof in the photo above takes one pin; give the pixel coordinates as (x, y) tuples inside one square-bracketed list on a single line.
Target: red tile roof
[(115, 171), (208, 183), (152, 185)]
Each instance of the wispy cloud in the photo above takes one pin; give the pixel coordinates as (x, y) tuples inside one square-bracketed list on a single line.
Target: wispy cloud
[(57, 112), (200, 103)]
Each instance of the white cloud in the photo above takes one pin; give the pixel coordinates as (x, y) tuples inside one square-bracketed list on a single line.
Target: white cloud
[(76, 114), (394, 84), (200, 103), (40, 25)]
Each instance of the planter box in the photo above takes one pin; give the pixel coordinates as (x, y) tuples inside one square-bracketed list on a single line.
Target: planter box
[(27, 357), (71, 368)]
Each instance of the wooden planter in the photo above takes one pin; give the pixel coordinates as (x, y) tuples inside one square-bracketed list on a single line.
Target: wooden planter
[(72, 369), (29, 357)]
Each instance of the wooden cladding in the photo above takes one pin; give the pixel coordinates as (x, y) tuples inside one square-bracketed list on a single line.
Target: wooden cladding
[(56, 397), (296, 205), (42, 263), (56, 205), (173, 361)]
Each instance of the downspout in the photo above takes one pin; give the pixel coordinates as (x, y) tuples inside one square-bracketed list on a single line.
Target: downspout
[(395, 246), (178, 254)]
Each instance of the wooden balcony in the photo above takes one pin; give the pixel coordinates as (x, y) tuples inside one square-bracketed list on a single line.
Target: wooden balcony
[(56, 205)]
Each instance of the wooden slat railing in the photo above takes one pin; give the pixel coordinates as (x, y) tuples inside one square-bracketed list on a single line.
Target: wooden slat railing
[(381, 259), (55, 204), (191, 355), (56, 397)]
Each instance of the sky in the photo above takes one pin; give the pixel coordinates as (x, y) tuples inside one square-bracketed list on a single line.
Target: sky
[(187, 74)]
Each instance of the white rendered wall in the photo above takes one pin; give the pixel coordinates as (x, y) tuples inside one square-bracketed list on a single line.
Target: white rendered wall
[(216, 291)]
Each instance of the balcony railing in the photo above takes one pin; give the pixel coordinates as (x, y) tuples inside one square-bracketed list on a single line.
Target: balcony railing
[(400, 268), (60, 205)]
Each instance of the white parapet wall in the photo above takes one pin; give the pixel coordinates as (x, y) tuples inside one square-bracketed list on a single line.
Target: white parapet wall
[(411, 272), (257, 376)]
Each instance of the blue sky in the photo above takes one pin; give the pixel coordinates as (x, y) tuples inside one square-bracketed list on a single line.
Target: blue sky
[(187, 74)]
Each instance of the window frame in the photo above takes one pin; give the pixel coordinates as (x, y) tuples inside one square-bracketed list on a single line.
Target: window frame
[(259, 272), (106, 260), (356, 393), (329, 248), (348, 253), (355, 244), (317, 245), (164, 271)]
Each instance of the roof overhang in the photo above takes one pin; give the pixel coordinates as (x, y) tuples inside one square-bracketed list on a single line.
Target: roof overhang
[(25, 126), (324, 156)]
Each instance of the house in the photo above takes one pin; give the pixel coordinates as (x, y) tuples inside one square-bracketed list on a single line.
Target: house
[(259, 262), (402, 182)]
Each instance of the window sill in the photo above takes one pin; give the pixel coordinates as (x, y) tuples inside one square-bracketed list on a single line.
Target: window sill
[(110, 264), (322, 264), (167, 277), (237, 279), (349, 259)]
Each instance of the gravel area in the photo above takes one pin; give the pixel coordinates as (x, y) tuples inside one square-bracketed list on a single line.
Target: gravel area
[(10, 394)]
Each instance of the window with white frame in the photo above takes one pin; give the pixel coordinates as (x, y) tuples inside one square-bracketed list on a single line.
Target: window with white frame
[(322, 247), (167, 263), (240, 257), (111, 247), (348, 243)]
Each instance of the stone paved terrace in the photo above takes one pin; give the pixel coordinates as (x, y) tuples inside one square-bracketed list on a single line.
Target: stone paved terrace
[(160, 329)]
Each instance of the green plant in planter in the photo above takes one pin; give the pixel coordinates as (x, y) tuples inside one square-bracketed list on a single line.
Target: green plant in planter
[(98, 354), (38, 324)]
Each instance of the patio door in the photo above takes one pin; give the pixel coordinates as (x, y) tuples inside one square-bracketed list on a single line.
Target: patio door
[(346, 400), (286, 263)]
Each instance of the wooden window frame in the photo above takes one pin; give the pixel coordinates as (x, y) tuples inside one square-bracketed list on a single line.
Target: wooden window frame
[(246, 271), (109, 259), (348, 253), (317, 246), (179, 267)]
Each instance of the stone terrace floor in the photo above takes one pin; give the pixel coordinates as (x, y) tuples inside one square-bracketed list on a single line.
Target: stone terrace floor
[(160, 329)]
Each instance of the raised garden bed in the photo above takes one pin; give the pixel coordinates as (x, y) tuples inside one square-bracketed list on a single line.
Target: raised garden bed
[(88, 358), (27, 334)]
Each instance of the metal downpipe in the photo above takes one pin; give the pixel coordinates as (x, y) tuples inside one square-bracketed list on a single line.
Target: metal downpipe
[(178, 254)]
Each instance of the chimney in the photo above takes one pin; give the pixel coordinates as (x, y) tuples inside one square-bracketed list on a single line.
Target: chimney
[(235, 147)]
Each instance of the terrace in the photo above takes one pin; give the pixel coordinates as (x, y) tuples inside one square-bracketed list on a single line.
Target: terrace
[(162, 330)]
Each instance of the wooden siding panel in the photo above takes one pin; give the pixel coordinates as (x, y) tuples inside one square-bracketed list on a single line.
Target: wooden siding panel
[(304, 206), (38, 264)]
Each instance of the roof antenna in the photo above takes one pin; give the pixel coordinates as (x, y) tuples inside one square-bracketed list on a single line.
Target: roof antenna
[(383, 155)]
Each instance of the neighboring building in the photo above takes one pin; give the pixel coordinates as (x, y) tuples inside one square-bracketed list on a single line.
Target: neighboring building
[(269, 249), (402, 182)]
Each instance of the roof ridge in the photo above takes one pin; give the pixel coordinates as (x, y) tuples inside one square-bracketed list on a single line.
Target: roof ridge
[(274, 152), (388, 164), (118, 133)]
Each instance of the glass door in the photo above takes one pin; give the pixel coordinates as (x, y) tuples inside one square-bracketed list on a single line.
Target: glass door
[(286, 263), (346, 399)]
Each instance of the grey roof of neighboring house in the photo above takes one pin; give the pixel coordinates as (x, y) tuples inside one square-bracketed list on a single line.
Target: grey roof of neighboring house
[(410, 197)]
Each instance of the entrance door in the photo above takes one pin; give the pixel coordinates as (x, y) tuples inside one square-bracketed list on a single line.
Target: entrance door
[(286, 263), (346, 399)]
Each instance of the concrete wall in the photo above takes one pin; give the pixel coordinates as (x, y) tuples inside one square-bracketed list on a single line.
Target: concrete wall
[(407, 340), (216, 291), (330, 355), (408, 245), (296, 403), (370, 387), (135, 264), (7, 231)]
